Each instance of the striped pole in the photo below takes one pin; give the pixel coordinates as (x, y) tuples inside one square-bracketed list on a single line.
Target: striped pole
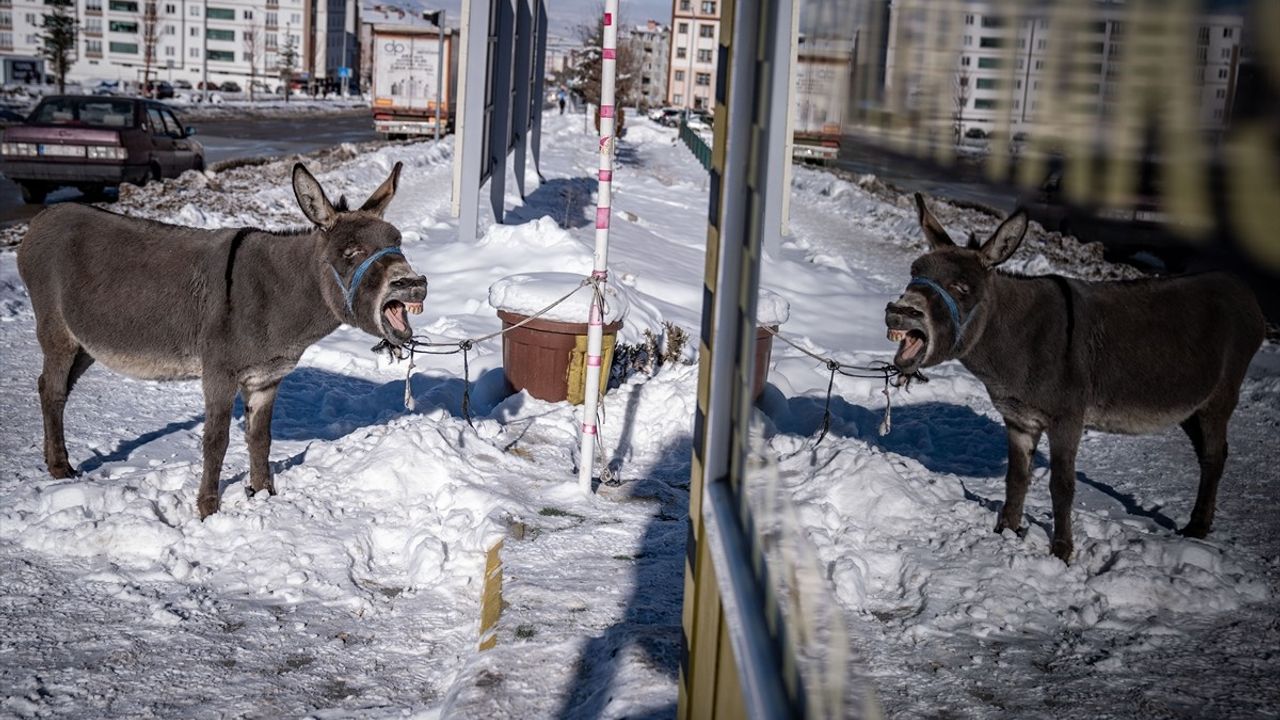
[(600, 272)]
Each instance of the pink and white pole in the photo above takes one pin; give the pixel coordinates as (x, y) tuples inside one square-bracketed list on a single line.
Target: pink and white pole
[(600, 272)]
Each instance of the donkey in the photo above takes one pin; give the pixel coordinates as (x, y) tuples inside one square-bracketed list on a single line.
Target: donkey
[(1058, 355), (234, 307)]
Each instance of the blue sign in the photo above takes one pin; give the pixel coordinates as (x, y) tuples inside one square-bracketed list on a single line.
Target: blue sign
[(344, 72)]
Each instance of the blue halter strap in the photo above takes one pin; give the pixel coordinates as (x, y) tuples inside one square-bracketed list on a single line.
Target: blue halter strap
[(952, 306), (349, 292)]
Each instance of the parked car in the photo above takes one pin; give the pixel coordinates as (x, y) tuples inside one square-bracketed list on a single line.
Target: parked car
[(262, 88), (105, 87), (182, 84), (974, 133), (93, 143), (230, 86), (159, 89)]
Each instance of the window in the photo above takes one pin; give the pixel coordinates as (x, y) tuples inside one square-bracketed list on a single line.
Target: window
[(965, 61), (93, 47), (1039, 64), (988, 84), (1222, 92), (968, 39), (155, 121), (170, 51), (709, 8), (984, 104), (212, 34), (707, 31), (123, 6), (681, 53), (991, 42), (194, 32), (31, 19), (93, 25), (123, 27), (968, 19), (679, 76), (222, 56), (273, 19), (702, 79), (6, 39), (990, 63), (93, 5), (221, 13), (991, 21), (677, 99), (1227, 32), (170, 30), (195, 52), (1203, 38), (195, 10), (1041, 43), (248, 14), (686, 6), (269, 42), (1226, 53), (704, 56), (684, 28), (170, 9), (1222, 74), (124, 48)]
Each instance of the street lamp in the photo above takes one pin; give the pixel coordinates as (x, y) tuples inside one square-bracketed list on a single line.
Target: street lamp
[(437, 18)]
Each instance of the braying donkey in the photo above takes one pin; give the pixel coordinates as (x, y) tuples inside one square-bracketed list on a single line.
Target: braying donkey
[(1058, 355), (233, 307)]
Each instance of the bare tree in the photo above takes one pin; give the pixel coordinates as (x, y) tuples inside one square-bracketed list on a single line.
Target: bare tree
[(963, 88), (288, 62), (149, 38), (585, 77), (252, 38), (58, 42)]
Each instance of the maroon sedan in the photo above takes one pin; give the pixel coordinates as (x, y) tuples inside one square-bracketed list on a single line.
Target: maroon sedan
[(95, 142)]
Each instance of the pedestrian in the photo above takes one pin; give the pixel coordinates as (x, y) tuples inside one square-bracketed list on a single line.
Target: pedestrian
[(560, 95)]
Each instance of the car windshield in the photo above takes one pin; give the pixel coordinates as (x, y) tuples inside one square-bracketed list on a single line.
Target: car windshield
[(90, 112)]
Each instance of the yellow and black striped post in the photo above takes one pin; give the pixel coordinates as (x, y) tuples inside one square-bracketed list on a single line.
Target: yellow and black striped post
[(734, 663)]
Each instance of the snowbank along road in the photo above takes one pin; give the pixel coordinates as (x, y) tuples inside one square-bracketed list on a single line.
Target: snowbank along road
[(355, 591)]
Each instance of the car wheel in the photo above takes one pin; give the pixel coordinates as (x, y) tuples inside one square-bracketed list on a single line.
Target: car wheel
[(156, 175), (198, 165), (33, 193), (96, 191)]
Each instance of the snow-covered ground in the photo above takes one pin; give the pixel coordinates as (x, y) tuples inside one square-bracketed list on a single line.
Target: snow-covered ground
[(355, 592)]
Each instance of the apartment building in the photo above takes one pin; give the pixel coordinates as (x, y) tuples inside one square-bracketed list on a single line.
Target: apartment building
[(220, 38), (695, 38), (649, 44), (977, 65)]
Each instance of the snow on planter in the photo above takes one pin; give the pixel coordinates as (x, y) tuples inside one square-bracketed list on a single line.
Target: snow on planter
[(528, 293), (546, 356), (771, 311)]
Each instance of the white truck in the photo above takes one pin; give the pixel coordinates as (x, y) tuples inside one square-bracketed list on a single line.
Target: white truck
[(406, 63), (822, 89)]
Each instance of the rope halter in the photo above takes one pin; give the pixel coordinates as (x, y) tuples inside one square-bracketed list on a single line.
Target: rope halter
[(349, 291), (952, 306)]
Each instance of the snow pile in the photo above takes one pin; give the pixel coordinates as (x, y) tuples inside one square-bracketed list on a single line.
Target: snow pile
[(355, 591), (532, 293)]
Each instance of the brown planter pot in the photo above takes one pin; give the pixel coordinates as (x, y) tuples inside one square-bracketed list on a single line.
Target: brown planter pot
[(548, 358), (764, 353)]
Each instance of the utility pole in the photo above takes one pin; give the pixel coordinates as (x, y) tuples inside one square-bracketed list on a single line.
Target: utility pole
[(437, 19)]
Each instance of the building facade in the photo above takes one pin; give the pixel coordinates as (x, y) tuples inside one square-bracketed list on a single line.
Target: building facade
[(695, 38), (649, 44), (975, 65), (223, 39)]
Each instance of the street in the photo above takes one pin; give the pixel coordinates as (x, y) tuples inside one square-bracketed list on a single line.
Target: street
[(230, 139)]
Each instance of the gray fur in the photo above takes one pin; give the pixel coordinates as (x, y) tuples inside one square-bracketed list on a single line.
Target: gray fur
[(236, 308), (1059, 355)]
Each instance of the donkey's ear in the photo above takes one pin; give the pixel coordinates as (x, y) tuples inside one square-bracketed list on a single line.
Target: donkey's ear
[(381, 198), (311, 198), (933, 232), (1005, 239)]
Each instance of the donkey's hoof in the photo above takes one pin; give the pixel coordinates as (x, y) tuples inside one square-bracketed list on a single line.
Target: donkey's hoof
[(253, 489), (1194, 530), (1063, 550), (208, 505), (1001, 526)]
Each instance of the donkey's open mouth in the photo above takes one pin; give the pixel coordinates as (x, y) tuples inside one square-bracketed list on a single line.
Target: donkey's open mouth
[(395, 318), (912, 346)]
